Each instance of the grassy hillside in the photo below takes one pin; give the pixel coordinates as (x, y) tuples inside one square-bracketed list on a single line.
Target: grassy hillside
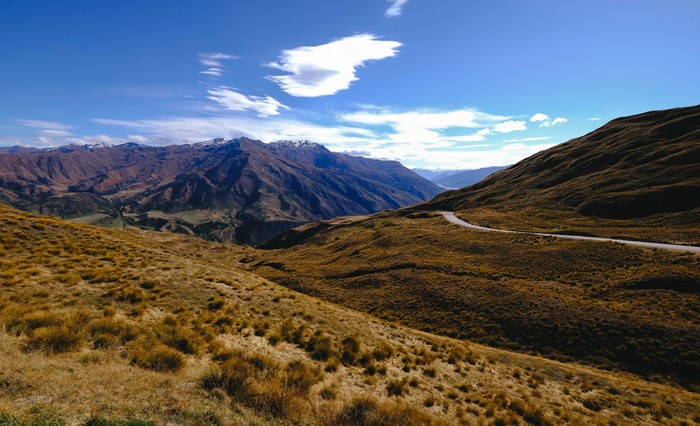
[(636, 176), (607, 304), (115, 327)]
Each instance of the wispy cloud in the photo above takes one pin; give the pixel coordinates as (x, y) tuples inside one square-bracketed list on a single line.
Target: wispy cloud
[(328, 68), (54, 133), (213, 61), (49, 125), (510, 126), (594, 119), (395, 9), (544, 138), (234, 101)]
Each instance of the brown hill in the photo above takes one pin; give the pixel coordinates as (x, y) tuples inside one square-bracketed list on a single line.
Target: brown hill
[(641, 171), (237, 191)]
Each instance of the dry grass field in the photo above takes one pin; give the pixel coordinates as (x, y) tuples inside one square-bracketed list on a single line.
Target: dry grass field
[(610, 305), (119, 327)]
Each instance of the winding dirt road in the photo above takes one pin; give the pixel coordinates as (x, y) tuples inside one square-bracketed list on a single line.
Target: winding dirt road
[(450, 216)]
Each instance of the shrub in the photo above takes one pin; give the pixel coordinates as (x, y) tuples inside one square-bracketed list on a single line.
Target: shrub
[(383, 352), (430, 372), (328, 393), (216, 304), (159, 358), (320, 347), (53, 340), (301, 377), (366, 411), (180, 338), (41, 319), (397, 387), (99, 421), (351, 349), (108, 332), (233, 377)]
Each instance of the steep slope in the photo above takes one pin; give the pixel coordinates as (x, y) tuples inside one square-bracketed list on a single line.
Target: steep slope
[(101, 326), (637, 171), (237, 191)]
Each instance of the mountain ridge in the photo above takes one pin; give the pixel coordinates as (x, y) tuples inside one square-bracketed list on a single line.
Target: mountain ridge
[(239, 190)]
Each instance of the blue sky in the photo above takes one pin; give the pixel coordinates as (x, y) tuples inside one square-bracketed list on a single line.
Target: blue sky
[(437, 84)]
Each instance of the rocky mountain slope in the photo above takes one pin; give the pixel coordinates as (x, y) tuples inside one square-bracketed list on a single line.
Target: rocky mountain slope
[(237, 191)]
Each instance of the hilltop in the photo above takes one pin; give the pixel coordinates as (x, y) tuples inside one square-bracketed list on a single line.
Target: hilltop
[(241, 190)]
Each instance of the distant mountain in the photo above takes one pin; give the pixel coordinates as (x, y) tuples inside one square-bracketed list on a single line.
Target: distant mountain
[(459, 178), (240, 190), (646, 165), (464, 178), (431, 174)]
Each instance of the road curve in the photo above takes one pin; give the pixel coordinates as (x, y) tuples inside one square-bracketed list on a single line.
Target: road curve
[(450, 216)]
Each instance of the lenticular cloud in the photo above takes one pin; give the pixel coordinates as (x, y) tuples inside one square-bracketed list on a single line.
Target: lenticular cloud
[(328, 68)]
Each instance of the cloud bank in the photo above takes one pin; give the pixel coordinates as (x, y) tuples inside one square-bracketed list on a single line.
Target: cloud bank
[(329, 68)]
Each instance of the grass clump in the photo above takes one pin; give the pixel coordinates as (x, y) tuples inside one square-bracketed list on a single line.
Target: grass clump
[(156, 356), (367, 411)]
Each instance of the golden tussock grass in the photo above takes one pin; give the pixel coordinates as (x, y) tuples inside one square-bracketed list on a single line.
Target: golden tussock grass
[(205, 342)]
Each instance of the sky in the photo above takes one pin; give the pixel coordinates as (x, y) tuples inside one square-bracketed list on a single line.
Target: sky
[(441, 84)]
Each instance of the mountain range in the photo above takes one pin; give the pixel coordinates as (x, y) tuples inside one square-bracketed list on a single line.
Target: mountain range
[(241, 190)]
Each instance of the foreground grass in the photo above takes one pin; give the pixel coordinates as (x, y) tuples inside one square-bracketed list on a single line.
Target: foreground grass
[(607, 304), (113, 327)]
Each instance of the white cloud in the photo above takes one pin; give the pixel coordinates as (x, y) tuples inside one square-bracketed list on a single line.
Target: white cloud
[(395, 9), (554, 122), (213, 71), (425, 126), (476, 137), (54, 133), (214, 59), (234, 101), (214, 62), (539, 117), (594, 119), (328, 68), (97, 139), (529, 139), (510, 126), (49, 125)]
